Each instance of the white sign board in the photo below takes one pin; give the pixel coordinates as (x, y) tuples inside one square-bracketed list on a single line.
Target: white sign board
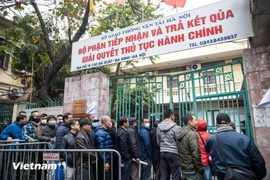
[(221, 22), (51, 156)]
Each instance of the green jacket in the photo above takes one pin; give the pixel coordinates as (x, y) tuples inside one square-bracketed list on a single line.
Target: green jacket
[(189, 150)]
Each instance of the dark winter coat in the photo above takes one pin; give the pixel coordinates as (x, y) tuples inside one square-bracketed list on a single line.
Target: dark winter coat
[(46, 133), (122, 143), (189, 150), (84, 141), (113, 135), (239, 150), (69, 142), (146, 144), (62, 130), (103, 141), (155, 147), (136, 151)]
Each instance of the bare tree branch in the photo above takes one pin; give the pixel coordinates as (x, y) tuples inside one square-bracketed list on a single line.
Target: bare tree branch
[(59, 64), (45, 31)]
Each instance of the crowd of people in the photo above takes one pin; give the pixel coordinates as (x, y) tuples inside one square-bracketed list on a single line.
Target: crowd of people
[(188, 153)]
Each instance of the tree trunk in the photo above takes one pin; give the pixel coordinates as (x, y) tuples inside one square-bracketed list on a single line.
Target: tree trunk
[(261, 23), (43, 93), (58, 64)]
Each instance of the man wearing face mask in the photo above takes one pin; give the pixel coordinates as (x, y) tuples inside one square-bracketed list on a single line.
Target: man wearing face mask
[(104, 141), (95, 123), (59, 118), (32, 128), (48, 132), (43, 119), (29, 133), (146, 147)]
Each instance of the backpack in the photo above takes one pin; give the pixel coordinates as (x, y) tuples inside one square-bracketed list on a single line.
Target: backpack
[(235, 172)]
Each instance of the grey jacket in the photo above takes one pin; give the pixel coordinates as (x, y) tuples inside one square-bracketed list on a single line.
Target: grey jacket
[(166, 136)]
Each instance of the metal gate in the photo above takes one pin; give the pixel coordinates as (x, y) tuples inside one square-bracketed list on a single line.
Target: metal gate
[(6, 111), (204, 92)]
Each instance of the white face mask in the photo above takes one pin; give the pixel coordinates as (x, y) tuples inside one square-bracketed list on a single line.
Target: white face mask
[(95, 124), (147, 125), (43, 121), (52, 123)]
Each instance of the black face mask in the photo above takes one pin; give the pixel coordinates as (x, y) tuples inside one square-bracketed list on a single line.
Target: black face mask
[(37, 120)]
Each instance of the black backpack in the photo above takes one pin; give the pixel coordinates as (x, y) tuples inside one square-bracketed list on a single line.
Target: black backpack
[(235, 172)]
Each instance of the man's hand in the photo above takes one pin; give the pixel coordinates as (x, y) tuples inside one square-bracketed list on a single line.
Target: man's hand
[(138, 160), (106, 167), (9, 138), (52, 140), (31, 140)]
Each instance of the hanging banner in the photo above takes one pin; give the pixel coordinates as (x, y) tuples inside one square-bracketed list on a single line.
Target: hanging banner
[(221, 22)]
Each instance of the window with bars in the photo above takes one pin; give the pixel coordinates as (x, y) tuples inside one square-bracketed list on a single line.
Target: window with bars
[(4, 59), (174, 82), (210, 78)]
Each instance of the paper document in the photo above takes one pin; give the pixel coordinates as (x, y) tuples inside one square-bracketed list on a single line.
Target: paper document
[(265, 102), (142, 162)]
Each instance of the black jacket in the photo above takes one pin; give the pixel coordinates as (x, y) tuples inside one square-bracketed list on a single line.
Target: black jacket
[(136, 151), (238, 150), (122, 143), (46, 133), (113, 135), (84, 141), (155, 146), (68, 142)]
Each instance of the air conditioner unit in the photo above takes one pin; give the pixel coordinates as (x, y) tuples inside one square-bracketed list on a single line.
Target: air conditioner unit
[(196, 66), (16, 92)]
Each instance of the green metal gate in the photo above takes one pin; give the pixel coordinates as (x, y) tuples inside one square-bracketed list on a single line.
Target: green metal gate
[(6, 111), (204, 92)]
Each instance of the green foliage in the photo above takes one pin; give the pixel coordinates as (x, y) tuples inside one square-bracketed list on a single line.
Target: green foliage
[(132, 100), (113, 16)]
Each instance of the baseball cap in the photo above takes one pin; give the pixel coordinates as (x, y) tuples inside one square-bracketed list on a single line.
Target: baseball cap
[(94, 119), (132, 120), (223, 118)]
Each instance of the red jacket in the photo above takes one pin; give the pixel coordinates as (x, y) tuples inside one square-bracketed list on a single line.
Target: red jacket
[(202, 128)]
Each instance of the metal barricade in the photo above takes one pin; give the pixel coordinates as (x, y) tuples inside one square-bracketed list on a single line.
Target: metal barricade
[(21, 144), (10, 154), (59, 164)]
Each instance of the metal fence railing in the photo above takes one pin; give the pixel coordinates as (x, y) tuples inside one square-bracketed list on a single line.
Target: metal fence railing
[(19, 161), (52, 102)]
